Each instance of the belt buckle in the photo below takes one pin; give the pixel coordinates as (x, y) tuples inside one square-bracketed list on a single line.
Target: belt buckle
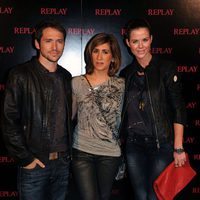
[(53, 156)]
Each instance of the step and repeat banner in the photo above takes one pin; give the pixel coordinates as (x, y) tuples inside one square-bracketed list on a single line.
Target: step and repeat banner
[(176, 36)]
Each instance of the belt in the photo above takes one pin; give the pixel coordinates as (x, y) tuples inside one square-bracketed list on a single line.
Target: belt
[(56, 155), (147, 138)]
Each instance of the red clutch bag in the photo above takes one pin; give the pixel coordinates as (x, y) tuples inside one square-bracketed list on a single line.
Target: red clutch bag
[(172, 180)]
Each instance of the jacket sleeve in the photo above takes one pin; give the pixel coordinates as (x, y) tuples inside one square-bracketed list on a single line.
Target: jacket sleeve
[(174, 93), (12, 123)]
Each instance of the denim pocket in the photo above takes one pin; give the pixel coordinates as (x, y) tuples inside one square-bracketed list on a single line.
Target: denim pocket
[(65, 160)]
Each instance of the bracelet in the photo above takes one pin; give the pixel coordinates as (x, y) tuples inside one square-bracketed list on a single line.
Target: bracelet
[(179, 150)]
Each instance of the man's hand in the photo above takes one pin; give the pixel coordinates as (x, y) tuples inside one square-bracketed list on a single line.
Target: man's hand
[(34, 163)]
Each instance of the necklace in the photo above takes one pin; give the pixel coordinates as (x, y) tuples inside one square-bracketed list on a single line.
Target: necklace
[(141, 104)]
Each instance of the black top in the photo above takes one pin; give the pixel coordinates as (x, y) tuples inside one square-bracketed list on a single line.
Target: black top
[(139, 112), (57, 119)]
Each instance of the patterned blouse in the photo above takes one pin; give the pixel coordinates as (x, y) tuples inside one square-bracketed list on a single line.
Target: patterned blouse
[(99, 115)]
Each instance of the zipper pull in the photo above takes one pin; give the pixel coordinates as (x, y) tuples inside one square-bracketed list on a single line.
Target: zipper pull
[(158, 144)]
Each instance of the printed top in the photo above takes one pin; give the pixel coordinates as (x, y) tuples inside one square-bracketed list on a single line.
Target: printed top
[(99, 115)]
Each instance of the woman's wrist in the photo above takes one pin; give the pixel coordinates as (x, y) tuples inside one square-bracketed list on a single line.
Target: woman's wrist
[(179, 150)]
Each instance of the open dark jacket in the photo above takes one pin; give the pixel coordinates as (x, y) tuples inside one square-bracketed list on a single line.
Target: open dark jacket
[(164, 91), (26, 109)]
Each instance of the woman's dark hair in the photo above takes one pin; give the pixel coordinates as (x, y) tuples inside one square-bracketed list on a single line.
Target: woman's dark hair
[(48, 24), (96, 40), (135, 24)]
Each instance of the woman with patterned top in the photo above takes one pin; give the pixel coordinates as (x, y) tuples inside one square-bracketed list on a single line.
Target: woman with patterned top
[(97, 102)]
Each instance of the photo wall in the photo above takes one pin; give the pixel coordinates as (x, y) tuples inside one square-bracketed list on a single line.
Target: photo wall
[(176, 36)]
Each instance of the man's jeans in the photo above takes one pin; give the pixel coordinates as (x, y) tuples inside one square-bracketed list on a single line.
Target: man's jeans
[(94, 174), (145, 162), (49, 183)]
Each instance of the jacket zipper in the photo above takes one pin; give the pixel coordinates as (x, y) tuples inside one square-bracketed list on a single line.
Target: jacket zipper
[(153, 113), (46, 107)]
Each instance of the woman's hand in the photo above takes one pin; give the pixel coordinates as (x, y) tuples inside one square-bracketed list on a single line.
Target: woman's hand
[(179, 159)]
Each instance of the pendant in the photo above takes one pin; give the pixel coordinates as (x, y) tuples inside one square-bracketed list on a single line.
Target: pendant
[(141, 105)]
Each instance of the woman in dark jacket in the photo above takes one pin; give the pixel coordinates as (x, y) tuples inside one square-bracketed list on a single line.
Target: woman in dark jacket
[(153, 113)]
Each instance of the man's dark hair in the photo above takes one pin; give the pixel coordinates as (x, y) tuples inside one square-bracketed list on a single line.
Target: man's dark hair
[(48, 24)]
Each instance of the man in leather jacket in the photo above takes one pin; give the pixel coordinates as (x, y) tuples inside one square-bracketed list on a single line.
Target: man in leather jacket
[(37, 117)]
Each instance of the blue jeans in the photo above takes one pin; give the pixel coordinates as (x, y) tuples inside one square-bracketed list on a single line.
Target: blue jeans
[(145, 162), (49, 183), (94, 174)]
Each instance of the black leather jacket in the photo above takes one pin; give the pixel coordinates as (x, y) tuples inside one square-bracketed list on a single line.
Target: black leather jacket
[(26, 110), (164, 92)]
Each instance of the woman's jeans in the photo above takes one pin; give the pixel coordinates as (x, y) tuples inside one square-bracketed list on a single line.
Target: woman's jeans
[(94, 174), (49, 183), (145, 162)]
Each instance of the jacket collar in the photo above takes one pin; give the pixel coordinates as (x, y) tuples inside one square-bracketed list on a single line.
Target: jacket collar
[(40, 67), (153, 62)]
